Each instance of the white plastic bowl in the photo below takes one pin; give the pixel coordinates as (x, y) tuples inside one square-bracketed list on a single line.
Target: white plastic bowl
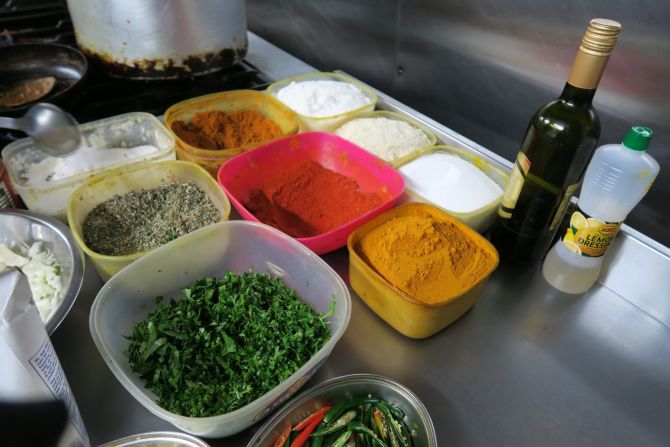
[(212, 251)]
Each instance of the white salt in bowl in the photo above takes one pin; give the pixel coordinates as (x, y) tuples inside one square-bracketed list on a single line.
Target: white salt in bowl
[(479, 219), (325, 123)]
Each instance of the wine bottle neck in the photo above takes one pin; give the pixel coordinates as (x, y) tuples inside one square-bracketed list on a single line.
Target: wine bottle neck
[(578, 95), (587, 70)]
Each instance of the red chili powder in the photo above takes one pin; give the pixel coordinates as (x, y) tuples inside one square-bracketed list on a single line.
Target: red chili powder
[(309, 200)]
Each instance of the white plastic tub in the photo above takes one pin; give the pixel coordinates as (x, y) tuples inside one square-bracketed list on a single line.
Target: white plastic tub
[(214, 250), (122, 131)]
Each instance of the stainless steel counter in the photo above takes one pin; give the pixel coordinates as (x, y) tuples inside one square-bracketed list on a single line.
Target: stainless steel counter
[(526, 366)]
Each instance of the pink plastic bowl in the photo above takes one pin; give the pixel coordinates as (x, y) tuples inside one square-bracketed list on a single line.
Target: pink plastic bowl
[(248, 171)]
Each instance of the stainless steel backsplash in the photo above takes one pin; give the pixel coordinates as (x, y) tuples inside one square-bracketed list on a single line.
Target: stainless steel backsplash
[(483, 67)]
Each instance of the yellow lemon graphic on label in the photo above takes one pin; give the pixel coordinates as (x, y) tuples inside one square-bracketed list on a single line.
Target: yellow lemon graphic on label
[(572, 247), (578, 220), (592, 222), (569, 236)]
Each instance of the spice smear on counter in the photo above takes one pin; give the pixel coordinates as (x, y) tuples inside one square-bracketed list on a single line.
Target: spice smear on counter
[(427, 258), (226, 343), (388, 139), (309, 199), (141, 220), (214, 129)]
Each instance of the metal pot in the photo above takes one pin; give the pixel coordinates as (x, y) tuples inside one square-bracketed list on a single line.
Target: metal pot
[(161, 39)]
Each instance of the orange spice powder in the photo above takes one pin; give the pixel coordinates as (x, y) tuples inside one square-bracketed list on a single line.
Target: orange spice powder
[(214, 129)]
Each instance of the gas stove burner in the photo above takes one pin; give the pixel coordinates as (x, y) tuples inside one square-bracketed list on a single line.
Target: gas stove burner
[(102, 96), (45, 22)]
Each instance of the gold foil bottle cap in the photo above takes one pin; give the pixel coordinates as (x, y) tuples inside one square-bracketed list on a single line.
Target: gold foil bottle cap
[(600, 37)]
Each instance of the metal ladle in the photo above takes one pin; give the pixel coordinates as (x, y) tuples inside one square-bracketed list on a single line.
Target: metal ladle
[(55, 131)]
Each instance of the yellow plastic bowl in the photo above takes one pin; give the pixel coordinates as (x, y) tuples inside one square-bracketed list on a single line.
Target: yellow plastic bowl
[(432, 139), (124, 180), (326, 123), (480, 219), (408, 316), (227, 102)]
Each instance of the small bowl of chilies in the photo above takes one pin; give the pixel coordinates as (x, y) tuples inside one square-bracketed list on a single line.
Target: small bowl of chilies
[(363, 396)]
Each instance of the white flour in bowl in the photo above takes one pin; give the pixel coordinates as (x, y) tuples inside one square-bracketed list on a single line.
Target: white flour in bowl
[(318, 99)]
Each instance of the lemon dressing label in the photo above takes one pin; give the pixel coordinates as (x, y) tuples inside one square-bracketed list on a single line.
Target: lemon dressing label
[(514, 186), (588, 236)]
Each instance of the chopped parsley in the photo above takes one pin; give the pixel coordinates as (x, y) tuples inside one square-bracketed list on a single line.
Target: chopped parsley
[(230, 341)]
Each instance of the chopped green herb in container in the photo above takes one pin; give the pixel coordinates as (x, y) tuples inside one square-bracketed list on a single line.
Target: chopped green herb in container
[(291, 322), (228, 342)]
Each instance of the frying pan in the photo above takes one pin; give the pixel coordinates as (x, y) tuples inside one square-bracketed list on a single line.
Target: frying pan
[(29, 61)]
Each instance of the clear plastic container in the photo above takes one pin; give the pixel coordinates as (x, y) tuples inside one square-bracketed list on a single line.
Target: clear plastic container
[(480, 219), (227, 102), (326, 123), (249, 171), (405, 314), (432, 139), (214, 250), (347, 387), (136, 178), (122, 131)]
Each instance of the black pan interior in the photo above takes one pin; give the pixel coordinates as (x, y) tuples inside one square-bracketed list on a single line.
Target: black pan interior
[(22, 62)]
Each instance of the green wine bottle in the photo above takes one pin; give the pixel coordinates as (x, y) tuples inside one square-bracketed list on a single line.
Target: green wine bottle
[(558, 145)]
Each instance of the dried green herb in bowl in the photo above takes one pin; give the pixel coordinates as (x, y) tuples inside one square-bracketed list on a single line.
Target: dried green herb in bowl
[(141, 220), (228, 342)]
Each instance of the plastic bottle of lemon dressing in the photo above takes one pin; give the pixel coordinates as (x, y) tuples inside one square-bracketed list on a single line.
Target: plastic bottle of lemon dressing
[(617, 178)]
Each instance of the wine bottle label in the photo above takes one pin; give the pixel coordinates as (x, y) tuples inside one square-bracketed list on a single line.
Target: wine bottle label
[(565, 201), (514, 186), (588, 236)]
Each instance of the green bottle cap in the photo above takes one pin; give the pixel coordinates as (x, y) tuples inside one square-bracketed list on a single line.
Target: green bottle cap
[(638, 138)]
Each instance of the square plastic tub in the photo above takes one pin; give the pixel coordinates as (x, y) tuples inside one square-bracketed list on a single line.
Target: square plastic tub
[(214, 250), (227, 102), (121, 131), (408, 316), (432, 139), (249, 171), (326, 123), (121, 181), (480, 219), (347, 387)]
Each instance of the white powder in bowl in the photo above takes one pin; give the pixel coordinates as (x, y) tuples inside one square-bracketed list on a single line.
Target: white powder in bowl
[(320, 99), (83, 160), (450, 182), (388, 139)]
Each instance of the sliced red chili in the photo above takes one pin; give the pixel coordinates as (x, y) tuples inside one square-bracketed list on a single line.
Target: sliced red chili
[(304, 435), (305, 422), (279, 442)]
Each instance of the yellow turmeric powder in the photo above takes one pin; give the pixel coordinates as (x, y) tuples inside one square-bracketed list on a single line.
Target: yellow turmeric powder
[(429, 259)]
